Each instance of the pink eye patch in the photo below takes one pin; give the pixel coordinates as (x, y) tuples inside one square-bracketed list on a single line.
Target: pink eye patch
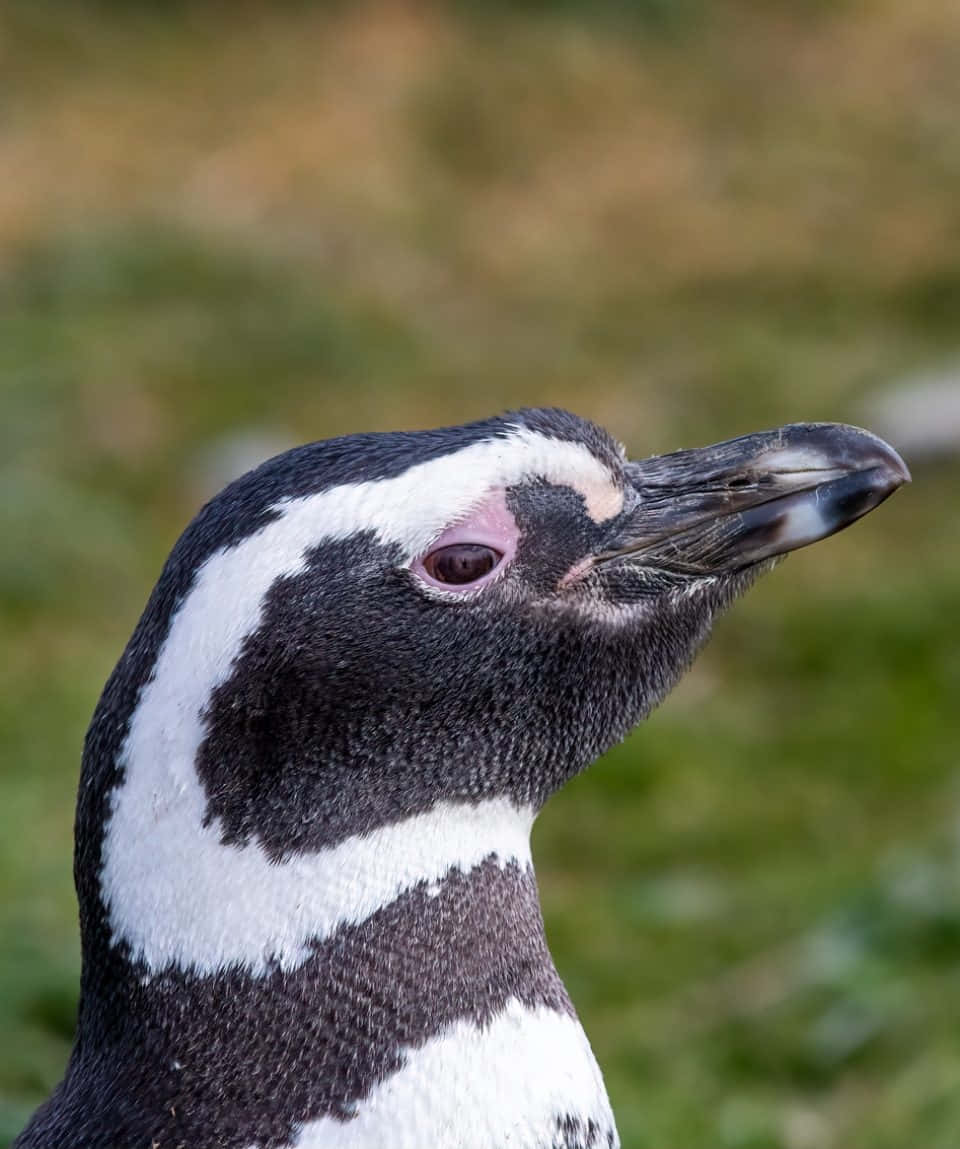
[(473, 552)]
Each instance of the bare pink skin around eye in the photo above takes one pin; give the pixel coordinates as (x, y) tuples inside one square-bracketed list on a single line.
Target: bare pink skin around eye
[(489, 524)]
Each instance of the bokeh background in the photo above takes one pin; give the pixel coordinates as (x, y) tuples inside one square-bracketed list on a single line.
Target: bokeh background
[(228, 228)]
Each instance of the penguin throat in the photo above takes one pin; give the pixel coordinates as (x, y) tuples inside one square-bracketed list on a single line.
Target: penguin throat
[(178, 897)]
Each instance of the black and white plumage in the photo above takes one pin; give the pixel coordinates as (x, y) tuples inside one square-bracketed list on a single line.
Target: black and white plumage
[(308, 911)]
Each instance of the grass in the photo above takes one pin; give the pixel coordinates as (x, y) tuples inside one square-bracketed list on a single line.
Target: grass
[(311, 220)]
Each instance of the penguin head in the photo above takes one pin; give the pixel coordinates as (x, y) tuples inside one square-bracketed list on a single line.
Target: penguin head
[(368, 625), (302, 835)]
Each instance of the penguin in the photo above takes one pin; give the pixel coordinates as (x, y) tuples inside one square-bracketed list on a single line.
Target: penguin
[(308, 911)]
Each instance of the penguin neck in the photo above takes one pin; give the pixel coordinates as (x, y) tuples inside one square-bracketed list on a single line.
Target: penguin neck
[(178, 898), (440, 1009), (444, 904), (417, 943), (421, 933)]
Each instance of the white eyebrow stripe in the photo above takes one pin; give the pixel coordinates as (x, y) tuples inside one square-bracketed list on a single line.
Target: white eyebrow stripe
[(412, 508), (173, 891)]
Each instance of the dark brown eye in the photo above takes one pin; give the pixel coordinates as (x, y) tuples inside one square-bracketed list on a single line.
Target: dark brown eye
[(461, 563)]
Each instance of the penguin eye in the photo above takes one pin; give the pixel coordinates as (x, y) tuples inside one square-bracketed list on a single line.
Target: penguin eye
[(472, 551), (461, 563)]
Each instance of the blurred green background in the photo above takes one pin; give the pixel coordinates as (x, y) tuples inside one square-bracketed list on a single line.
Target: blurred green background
[(228, 228)]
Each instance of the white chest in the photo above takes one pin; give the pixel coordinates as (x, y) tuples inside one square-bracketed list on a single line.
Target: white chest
[(512, 1083)]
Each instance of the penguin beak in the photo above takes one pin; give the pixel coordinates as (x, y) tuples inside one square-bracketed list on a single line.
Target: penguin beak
[(717, 509)]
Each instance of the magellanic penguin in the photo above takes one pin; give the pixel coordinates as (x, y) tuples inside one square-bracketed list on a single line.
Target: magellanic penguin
[(308, 913)]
